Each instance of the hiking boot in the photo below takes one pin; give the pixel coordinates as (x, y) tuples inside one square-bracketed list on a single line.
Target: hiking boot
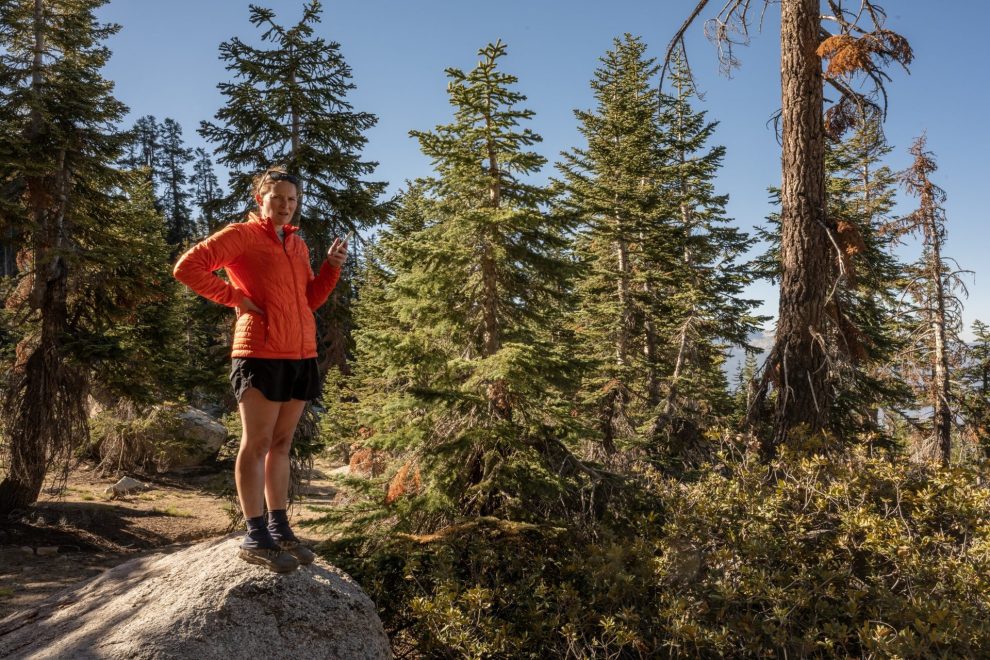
[(274, 559), (299, 551)]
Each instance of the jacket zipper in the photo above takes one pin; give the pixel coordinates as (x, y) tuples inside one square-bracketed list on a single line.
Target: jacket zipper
[(295, 297)]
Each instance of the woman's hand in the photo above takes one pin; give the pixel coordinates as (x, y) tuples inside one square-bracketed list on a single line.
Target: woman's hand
[(248, 306), (338, 252)]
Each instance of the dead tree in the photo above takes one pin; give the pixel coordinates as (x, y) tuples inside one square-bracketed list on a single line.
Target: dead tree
[(933, 288), (801, 366)]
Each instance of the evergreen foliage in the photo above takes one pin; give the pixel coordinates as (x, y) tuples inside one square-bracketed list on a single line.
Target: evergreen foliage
[(711, 316), (975, 384), (287, 105), (175, 157), (82, 221), (661, 299), (865, 312), (463, 375), (206, 193)]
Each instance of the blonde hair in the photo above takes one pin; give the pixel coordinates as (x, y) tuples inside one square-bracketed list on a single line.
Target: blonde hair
[(263, 182)]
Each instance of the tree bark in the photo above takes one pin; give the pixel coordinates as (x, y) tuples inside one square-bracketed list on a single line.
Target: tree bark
[(799, 358), (940, 381)]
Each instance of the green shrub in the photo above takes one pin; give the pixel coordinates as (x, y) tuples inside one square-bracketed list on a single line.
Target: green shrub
[(488, 588), (132, 440), (843, 555), (830, 555)]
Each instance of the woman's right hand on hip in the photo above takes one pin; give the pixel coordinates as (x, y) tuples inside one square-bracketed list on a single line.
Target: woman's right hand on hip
[(247, 305)]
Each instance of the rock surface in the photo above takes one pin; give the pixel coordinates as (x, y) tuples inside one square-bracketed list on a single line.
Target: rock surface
[(202, 602), (124, 486), (202, 438)]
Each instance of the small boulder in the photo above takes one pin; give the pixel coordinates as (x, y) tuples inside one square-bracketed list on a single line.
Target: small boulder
[(202, 602), (202, 437), (125, 486)]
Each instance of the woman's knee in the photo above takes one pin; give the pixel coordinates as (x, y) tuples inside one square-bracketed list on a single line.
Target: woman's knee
[(255, 446), (281, 444)]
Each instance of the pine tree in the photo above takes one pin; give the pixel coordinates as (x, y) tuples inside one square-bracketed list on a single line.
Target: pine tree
[(174, 196), (288, 105), (461, 376), (58, 151), (206, 194), (613, 189), (975, 383)]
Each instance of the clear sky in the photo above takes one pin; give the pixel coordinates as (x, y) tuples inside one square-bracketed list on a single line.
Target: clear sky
[(166, 63)]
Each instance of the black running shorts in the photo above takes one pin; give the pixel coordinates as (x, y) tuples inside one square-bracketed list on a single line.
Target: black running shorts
[(278, 380)]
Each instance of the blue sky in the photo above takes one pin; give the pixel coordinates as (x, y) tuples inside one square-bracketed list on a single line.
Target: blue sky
[(166, 63)]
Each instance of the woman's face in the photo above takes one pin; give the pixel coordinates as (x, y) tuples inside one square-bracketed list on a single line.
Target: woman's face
[(278, 202)]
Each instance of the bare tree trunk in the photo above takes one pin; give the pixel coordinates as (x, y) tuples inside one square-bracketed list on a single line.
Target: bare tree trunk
[(799, 359), (940, 382)]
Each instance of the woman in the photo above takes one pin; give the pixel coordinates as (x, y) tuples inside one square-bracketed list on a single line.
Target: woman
[(274, 371)]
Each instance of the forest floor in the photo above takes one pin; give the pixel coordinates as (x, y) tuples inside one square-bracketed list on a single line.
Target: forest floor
[(74, 533)]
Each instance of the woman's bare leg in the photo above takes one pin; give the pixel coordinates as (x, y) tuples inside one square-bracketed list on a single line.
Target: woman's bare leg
[(258, 421), (277, 463)]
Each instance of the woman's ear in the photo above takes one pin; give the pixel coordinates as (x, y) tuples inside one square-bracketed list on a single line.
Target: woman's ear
[(258, 199)]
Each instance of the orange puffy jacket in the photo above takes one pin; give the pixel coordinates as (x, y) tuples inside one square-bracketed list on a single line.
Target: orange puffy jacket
[(276, 277)]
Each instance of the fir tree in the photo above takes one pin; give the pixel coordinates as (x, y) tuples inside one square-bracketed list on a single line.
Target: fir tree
[(58, 151), (660, 302), (975, 383), (143, 148), (614, 191), (206, 194), (864, 312), (174, 196), (288, 105), (460, 374), (708, 313), (860, 193)]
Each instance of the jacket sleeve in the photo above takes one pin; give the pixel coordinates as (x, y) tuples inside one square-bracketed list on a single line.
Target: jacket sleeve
[(196, 267), (319, 288)]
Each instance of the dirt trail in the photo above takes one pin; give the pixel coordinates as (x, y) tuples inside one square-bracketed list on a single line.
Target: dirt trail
[(73, 535)]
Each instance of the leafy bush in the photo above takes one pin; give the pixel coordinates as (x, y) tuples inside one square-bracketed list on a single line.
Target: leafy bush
[(851, 554), (489, 588), (127, 439)]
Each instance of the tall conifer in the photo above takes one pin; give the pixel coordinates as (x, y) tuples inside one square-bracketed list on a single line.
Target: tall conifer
[(460, 376), (58, 152), (933, 337), (660, 301), (206, 193), (708, 313), (614, 190), (975, 382), (175, 157), (288, 105)]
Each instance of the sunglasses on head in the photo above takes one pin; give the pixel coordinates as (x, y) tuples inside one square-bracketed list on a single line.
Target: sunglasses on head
[(281, 176)]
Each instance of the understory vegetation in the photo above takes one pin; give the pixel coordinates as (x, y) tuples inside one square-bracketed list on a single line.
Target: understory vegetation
[(572, 432)]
